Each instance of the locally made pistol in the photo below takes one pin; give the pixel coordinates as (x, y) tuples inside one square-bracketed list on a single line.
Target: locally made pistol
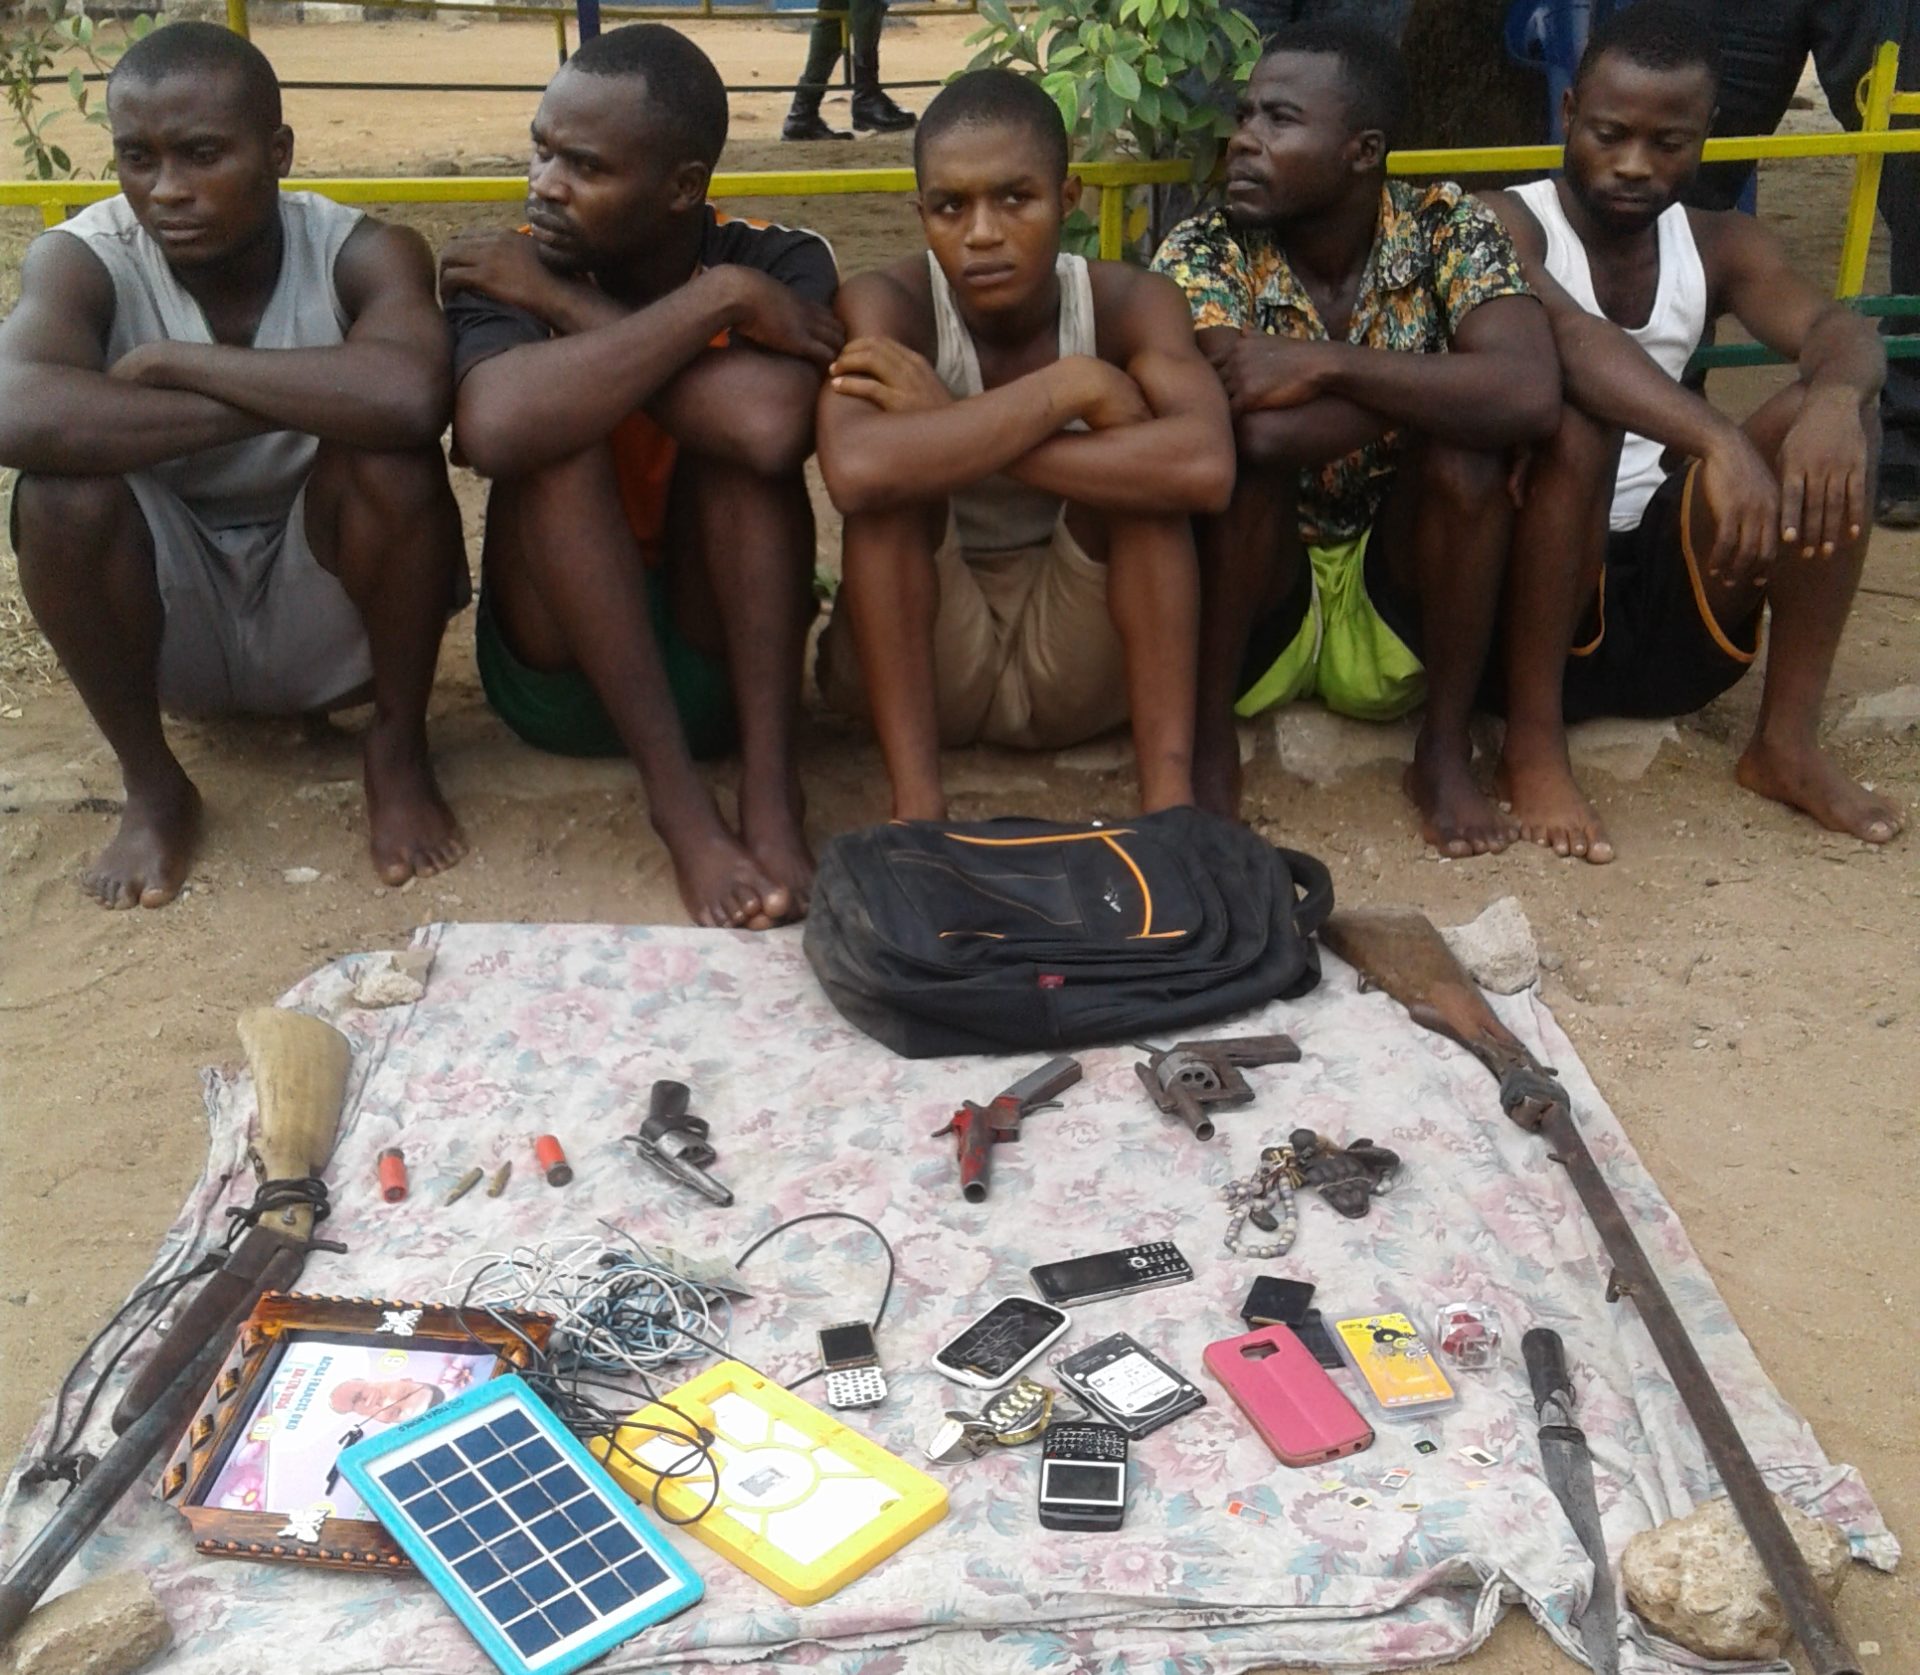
[(1191, 1077), (674, 1141), (979, 1128)]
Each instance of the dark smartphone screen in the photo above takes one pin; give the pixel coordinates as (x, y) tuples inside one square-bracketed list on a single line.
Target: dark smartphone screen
[(841, 1344)]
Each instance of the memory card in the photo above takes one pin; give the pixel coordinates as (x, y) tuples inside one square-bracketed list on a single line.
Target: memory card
[(1122, 1379)]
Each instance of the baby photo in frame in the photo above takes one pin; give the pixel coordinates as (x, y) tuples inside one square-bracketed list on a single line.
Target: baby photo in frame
[(257, 1475)]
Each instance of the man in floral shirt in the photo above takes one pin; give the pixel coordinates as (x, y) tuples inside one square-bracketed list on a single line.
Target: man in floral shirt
[(1384, 359)]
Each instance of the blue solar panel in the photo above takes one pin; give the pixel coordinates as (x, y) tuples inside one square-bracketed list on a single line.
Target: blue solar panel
[(452, 1487)]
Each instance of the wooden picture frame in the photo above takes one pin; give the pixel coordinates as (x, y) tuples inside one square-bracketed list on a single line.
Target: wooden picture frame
[(254, 1476)]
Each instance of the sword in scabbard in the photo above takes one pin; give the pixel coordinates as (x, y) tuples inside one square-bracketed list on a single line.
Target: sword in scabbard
[(1401, 953)]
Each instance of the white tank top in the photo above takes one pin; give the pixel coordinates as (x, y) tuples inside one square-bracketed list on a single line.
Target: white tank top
[(1672, 332), (999, 514)]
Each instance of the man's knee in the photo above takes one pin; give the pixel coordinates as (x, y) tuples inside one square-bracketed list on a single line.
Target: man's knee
[(394, 482), (68, 531), (53, 515), (1465, 480)]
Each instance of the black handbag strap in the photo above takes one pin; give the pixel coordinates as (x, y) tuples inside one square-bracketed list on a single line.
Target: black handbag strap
[(1311, 878)]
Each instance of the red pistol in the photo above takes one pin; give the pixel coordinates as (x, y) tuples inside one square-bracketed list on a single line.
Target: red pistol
[(979, 1128)]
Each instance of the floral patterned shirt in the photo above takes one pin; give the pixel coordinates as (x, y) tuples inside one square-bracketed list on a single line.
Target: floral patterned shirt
[(1438, 255)]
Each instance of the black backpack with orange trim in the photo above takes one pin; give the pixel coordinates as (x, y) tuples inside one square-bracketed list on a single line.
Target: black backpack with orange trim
[(1006, 935)]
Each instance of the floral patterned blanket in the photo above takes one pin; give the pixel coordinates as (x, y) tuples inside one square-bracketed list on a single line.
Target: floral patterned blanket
[(1227, 1561)]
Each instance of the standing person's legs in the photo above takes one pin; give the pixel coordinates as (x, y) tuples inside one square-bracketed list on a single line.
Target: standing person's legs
[(87, 570), (1763, 48), (872, 109), (567, 587), (1444, 533), (385, 525), (1559, 550), (741, 549), (1809, 599), (824, 44), (1251, 562)]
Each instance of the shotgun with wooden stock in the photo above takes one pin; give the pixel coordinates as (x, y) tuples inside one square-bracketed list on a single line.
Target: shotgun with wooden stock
[(300, 1067), (1399, 952)]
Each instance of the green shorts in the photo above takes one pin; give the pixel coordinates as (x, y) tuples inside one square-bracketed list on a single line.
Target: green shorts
[(1336, 639), (558, 710)]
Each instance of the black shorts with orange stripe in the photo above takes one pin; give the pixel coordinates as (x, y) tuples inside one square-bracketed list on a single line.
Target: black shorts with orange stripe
[(1649, 645)]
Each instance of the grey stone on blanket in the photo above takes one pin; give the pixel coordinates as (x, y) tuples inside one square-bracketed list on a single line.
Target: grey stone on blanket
[(108, 1627), (1497, 948)]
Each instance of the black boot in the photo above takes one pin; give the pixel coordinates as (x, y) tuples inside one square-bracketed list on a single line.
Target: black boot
[(873, 111), (804, 121)]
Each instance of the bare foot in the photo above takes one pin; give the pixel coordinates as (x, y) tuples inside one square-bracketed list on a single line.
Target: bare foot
[(721, 883), (1456, 816), (146, 862), (410, 830), (1547, 803), (1807, 778), (773, 827)]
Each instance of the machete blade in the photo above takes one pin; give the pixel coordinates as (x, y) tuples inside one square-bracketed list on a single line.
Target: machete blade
[(1569, 1471)]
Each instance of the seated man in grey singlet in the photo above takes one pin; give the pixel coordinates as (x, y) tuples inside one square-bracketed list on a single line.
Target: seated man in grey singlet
[(1656, 531), (1017, 439), (225, 404)]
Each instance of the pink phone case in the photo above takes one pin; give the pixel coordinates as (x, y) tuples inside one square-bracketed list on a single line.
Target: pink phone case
[(1298, 1411)]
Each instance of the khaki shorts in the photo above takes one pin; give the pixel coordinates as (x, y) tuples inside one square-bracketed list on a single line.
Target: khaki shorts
[(1024, 650)]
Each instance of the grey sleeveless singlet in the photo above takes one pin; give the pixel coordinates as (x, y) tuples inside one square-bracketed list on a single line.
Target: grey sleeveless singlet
[(999, 514)]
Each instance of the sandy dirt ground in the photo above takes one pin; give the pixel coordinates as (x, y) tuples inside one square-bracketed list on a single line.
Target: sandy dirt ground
[(1743, 985)]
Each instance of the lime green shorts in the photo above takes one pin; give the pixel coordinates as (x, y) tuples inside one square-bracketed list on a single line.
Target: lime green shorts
[(1332, 643), (558, 710)]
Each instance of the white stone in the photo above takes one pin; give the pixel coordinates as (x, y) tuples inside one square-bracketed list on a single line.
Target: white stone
[(1497, 948), (1698, 1582), (1320, 747), (393, 979), (1618, 746), (301, 875), (1893, 711)]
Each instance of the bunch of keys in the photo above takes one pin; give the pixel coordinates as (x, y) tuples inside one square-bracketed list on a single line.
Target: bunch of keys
[(1264, 1198), (1018, 1414)]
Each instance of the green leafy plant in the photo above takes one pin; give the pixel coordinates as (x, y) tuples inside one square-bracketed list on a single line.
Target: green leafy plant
[(37, 36), (1133, 78)]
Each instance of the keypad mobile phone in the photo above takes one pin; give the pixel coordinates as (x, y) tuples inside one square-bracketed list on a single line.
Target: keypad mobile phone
[(1113, 1273), (1083, 1477)]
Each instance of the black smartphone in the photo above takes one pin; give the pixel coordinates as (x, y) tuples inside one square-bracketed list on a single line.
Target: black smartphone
[(1083, 1477), (1276, 1302), (1113, 1273)]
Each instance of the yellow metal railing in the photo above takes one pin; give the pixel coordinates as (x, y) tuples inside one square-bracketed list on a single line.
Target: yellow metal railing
[(1880, 103), (54, 198)]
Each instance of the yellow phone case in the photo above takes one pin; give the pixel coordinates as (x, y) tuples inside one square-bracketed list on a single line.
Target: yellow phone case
[(1397, 1363), (805, 1504)]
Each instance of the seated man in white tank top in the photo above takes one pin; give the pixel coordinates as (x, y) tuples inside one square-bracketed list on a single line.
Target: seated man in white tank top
[(1017, 439), (226, 405), (1655, 531)]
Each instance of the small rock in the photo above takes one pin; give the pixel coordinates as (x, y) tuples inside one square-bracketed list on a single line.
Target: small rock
[(1320, 747), (1894, 711), (1098, 756), (108, 1627), (393, 979), (301, 875), (1621, 747), (1497, 948), (440, 166), (1698, 1581)]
